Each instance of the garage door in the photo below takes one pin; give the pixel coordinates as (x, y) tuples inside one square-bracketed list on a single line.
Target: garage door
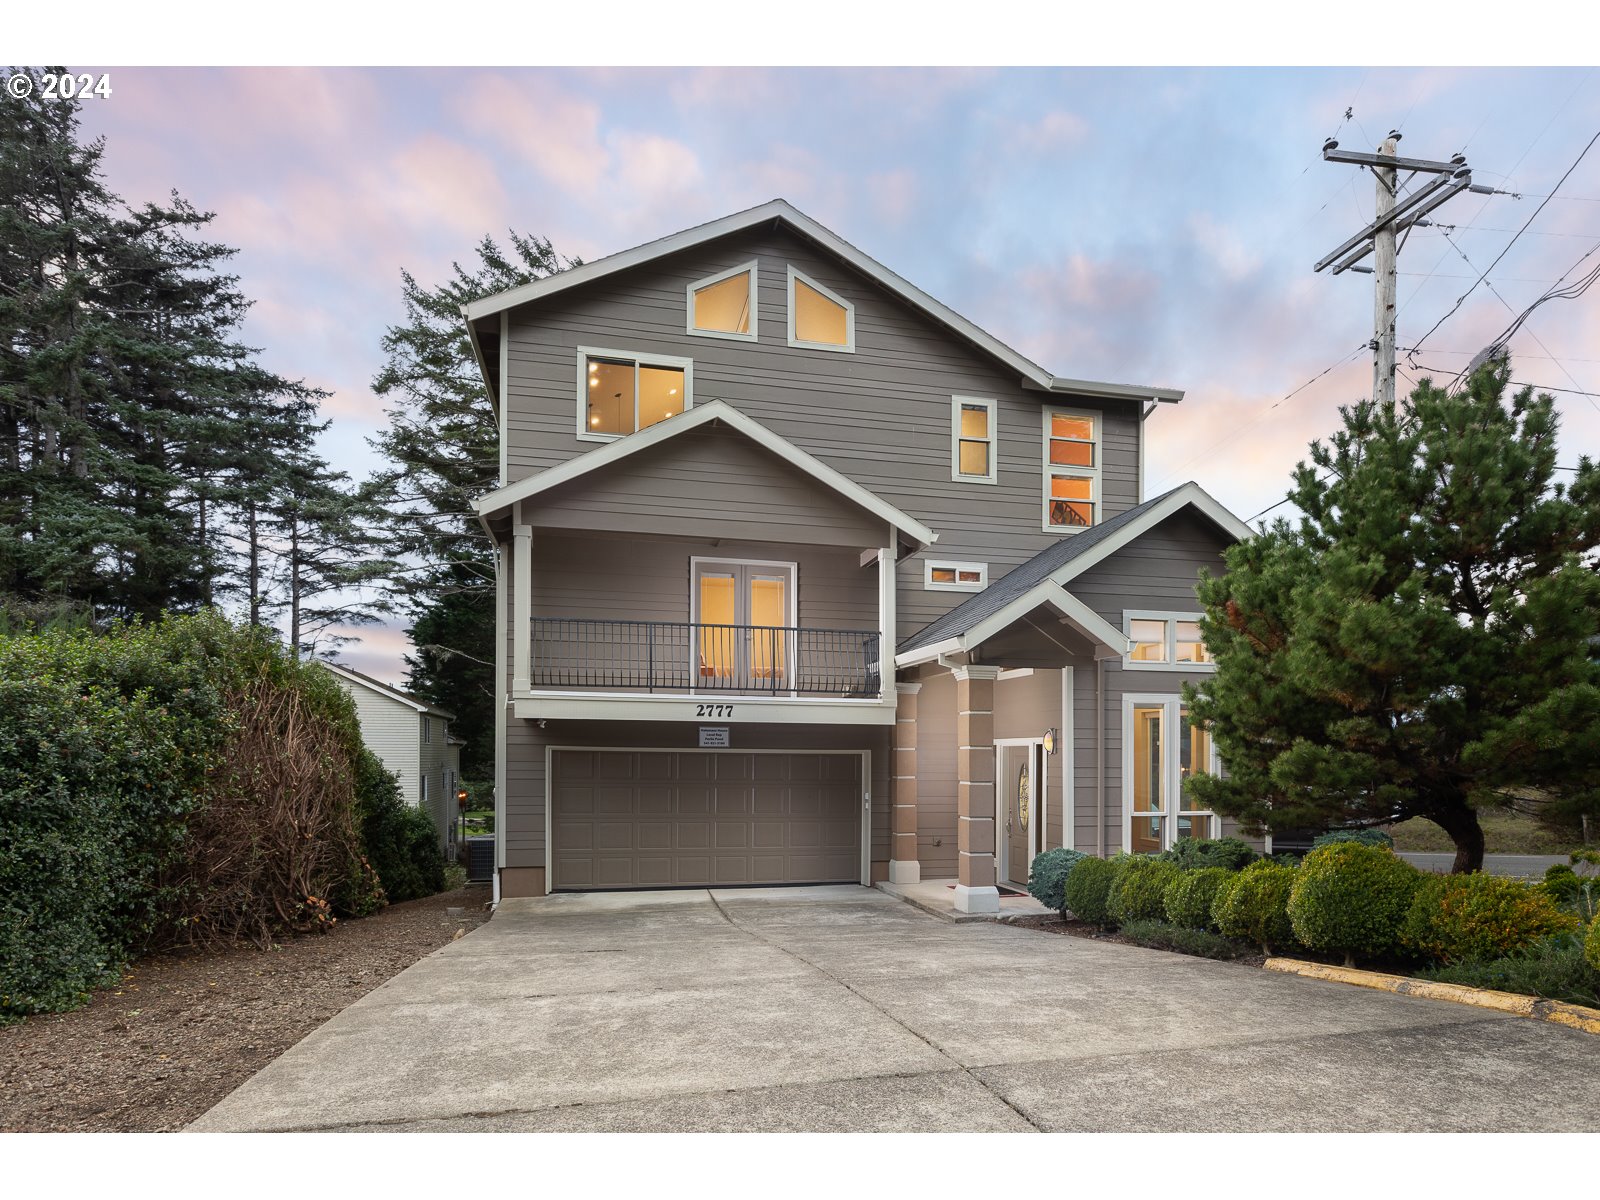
[(641, 819)]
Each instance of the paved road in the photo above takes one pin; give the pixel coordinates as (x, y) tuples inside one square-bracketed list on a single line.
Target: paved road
[(1526, 866), (844, 1009)]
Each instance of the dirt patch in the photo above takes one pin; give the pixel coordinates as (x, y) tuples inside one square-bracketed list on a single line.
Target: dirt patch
[(183, 1029), (1076, 928)]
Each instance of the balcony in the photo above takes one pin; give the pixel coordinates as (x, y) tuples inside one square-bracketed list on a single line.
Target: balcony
[(668, 658)]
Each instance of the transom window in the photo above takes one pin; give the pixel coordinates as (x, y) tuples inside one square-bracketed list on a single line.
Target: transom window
[(955, 576), (818, 318), (619, 392), (973, 440), (723, 305), (1071, 470), (1165, 641)]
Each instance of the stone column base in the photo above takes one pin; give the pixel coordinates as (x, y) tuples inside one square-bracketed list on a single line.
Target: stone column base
[(977, 899), (905, 872)]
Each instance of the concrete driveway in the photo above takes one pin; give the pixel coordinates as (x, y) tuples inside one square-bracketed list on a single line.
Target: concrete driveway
[(845, 1009)]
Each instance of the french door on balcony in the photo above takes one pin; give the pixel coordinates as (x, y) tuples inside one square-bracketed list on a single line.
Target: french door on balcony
[(744, 621)]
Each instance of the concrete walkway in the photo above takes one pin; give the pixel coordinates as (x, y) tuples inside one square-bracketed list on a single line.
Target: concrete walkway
[(845, 1009)]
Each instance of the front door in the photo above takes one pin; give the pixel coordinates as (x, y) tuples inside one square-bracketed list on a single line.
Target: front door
[(1017, 815), (743, 640)]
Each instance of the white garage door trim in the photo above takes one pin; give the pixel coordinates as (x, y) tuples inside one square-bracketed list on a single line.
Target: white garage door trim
[(549, 807)]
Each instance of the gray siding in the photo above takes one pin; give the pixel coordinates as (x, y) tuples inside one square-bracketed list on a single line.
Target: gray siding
[(880, 416)]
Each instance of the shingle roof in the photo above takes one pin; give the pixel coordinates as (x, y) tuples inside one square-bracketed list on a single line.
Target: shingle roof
[(1029, 574)]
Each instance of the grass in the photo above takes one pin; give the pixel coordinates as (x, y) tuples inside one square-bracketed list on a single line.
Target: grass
[(1554, 969), (1503, 833)]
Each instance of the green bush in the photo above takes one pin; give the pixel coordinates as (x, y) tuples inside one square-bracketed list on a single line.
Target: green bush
[(1253, 905), (1139, 893), (1196, 854), (1087, 889), (1189, 897), (1361, 837), (399, 839), (1049, 872), (1554, 969), (1158, 935), (1352, 899), (1454, 918), (1591, 945), (1578, 894)]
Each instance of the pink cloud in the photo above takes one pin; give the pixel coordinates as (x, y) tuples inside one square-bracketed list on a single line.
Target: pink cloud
[(558, 134)]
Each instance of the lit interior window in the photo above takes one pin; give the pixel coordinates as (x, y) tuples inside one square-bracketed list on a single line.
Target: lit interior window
[(973, 441), (817, 319), (1071, 501), (1149, 640), (624, 396), (723, 307), (1191, 649), (1071, 441)]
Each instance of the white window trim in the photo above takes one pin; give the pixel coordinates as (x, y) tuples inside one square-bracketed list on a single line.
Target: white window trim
[(688, 303), (1051, 470), (1172, 781), (849, 346), (928, 585), (585, 353), (791, 605), (957, 403), (1168, 663), (427, 728)]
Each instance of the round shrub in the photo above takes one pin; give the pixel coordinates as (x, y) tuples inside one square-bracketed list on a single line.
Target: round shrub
[(1361, 837), (1139, 893), (1049, 872), (1352, 899), (1456, 918), (1254, 904), (1088, 887), (1189, 897), (1591, 945), (1194, 854)]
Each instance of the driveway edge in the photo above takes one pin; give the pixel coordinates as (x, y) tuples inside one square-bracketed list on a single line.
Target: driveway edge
[(1573, 1016)]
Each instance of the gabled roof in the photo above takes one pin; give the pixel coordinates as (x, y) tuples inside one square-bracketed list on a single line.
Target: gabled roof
[(698, 416), (1040, 579), (783, 211), (392, 693)]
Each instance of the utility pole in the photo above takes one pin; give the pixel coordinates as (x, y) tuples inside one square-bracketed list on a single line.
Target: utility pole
[(1392, 216)]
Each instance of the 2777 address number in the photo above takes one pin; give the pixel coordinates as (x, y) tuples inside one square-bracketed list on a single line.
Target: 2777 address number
[(725, 711)]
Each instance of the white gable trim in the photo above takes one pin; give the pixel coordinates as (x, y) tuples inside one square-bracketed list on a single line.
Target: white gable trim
[(387, 692), (703, 414)]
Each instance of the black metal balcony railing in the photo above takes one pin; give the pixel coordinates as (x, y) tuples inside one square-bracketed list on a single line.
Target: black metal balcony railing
[(669, 656)]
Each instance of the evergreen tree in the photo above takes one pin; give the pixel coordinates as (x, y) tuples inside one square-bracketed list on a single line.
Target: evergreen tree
[(1419, 644), (444, 446)]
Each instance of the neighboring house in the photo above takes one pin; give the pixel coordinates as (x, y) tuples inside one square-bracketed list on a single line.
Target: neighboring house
[(413, 739), (806, 578)]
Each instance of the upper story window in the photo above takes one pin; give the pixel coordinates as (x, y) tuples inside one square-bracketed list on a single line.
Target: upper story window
[(955, 576), (427, 729), (818, 318), (1165, 641), (972, 440), (1071, 469), (724, 305), (620, 392)]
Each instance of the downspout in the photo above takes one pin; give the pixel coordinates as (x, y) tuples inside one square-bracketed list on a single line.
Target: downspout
[(1100, 755)]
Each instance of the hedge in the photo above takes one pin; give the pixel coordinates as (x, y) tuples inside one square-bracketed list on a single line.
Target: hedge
[(1352, 899), (1457, 918), (1362, 837), (1088, 889), (1048, 874), (1189, 897), (1253, 905), (1139, 892)]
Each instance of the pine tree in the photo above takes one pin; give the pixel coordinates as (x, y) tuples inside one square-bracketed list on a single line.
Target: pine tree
[(444, 446), (1419, 644)]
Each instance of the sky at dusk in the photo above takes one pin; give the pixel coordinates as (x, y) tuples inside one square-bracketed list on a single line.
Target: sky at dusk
[(1146, 226)]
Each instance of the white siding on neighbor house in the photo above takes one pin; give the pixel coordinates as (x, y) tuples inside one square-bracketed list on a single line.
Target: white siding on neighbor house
[(391, 731)]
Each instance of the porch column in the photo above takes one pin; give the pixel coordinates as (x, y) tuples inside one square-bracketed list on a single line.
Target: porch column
[(521, 604), (904, 866), (975, 875)]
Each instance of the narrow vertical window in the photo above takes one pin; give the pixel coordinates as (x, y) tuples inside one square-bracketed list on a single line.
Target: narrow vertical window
[(973, 440), (1071, 470)]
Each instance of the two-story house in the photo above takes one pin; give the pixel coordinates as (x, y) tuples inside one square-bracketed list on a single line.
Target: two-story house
[(806, 578)]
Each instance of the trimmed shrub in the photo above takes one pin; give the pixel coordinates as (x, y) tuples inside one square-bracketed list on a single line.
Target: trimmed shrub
[(1361, 837), (1196, 854), (1087, 889), (1140, 891), (1189, 897), (1253, 905), (1352, 899), (399, 839), (1554, 969), (1049, 872), (1158, 935), (1454, 918)]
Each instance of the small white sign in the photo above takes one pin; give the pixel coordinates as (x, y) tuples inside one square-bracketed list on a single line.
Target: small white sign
[(714, 736)]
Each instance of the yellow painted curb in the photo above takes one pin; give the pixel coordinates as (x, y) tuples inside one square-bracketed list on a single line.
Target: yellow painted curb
[(1573, 1016)]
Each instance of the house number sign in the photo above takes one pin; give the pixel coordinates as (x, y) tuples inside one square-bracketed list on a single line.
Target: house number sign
[(714, 736)]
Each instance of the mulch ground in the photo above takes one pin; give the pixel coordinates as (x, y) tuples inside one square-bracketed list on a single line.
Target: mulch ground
[(183, 1029), (1076, 928)]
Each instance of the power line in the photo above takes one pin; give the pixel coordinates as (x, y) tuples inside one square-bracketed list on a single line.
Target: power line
[(1462, 298)]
